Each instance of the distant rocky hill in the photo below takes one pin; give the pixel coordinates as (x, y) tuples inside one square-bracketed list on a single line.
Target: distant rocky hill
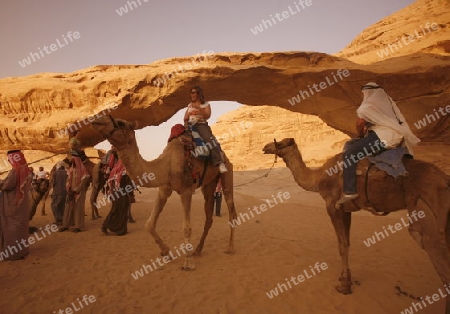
[(243, 133), (422, 27)]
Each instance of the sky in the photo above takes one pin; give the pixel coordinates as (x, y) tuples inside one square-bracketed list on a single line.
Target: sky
[(102, 33)]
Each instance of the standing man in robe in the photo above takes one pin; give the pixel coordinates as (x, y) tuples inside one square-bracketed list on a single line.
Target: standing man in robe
[(59, 192), (77, 184), (15, 207)]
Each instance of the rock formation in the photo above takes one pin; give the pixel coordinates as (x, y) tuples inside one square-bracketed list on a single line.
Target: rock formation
[(404, 33), (243, 132), (423, 32), (37, 109)]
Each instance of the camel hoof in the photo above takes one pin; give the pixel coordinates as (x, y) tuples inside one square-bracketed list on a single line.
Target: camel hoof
[(197, 253), (166, 253), (188, 266), (93, 218), (344, 289), (188, 263)]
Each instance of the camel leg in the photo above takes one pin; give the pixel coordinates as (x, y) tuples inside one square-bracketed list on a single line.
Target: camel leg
[(93, 200), (429, 199), (227, 186), (341, 222), (43, 203), (34, 206), (163, 194), (430, 233), (186, 200), (130, 217), (208, 195)]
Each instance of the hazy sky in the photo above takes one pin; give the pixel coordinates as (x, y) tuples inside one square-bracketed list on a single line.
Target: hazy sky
[(155, 30)]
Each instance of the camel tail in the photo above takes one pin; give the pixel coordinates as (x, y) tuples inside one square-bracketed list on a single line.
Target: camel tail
[(447, 226), (447, 231)]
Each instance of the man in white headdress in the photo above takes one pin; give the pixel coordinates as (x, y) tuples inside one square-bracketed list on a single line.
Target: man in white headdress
[(380, 126)]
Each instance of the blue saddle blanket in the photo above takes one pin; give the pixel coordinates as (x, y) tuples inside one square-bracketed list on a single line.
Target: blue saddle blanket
[(202, 149), (391, 161)]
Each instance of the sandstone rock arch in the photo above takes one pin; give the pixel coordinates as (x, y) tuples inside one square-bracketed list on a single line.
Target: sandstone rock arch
[(419, 83)]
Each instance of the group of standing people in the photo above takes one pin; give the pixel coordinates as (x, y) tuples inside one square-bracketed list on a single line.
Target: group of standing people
[(77, 182)]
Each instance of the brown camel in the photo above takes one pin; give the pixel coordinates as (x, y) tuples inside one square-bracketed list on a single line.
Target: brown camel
[(170, 173), (426, 188), (98, 181), (38, 191)]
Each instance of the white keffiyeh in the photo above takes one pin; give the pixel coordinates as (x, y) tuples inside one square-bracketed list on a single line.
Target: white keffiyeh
[(379, 109)]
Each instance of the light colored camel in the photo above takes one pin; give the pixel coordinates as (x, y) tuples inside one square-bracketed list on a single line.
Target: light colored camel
[(170, 173), (426, 188)]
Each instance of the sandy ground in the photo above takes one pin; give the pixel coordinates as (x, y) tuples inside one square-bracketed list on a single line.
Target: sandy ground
[(279, 243)]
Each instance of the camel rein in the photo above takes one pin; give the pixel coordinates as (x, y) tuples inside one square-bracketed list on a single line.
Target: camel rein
[(270, 169), (45, 158), (265, 175)]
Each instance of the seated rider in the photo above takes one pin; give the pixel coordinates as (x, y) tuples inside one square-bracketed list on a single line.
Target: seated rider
[(41, 175), (75, 145), (380, 126), (197, 113), (109, 160)]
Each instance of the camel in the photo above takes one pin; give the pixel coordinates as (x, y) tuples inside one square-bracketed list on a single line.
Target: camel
[(170, 172), (426, 188), (38, 191), (98, 181)]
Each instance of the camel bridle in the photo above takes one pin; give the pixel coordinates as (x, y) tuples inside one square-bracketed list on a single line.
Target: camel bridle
[(115, 128)]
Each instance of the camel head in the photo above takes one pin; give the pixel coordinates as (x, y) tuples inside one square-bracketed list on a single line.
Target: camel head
[(118, 132), (42, 187), (278, 147)]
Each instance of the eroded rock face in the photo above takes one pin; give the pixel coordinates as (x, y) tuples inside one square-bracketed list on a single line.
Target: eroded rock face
[(37, 109), (422, 27)]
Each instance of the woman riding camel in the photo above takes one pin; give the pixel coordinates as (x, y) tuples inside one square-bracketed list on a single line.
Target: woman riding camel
[(197, 114)]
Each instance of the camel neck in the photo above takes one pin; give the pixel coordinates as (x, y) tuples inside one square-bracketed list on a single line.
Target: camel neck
[(142, 172), (305, 177)]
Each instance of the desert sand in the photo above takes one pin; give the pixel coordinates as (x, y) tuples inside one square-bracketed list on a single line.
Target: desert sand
[(282, 242)]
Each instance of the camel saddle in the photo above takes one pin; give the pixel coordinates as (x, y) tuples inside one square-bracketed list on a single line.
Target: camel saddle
[(384, 171), (194, 147)]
